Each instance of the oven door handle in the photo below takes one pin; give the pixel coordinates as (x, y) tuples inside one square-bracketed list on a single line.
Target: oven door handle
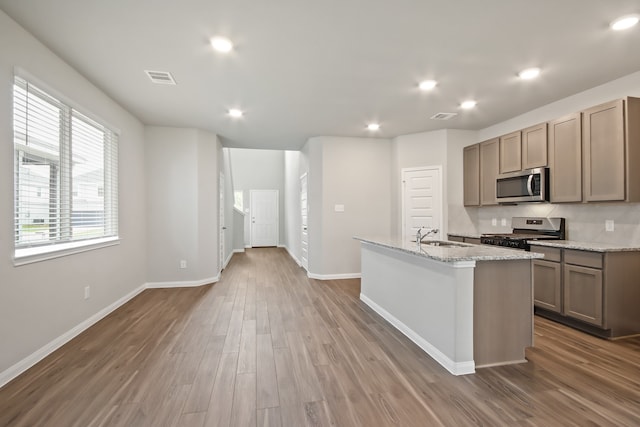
[(530, 185)]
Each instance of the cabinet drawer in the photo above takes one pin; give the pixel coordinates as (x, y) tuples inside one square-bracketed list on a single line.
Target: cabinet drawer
[(550, 254), (456, 238), (584, 258), (472, 240)]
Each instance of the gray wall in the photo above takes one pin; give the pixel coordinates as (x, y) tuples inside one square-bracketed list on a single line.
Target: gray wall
[(258, 170), (292, 219), (234, 224), (353, 172), (42, 301), (182, 203), (585, 222)]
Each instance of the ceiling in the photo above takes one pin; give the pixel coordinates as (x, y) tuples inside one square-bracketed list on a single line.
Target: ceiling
[(308, 68)]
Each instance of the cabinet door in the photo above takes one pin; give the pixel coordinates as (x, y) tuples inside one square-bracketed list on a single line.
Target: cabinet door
[(565, 159), (511, 152), (534, 146), (471, 175), (489, 166), (456, 238), (603, 152), (583, 294), (547, 285), (472, 240)]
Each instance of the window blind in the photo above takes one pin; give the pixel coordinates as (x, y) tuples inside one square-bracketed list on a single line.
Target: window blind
[(65, 172)]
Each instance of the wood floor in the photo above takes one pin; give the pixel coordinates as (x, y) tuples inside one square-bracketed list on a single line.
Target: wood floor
[(266, 346)]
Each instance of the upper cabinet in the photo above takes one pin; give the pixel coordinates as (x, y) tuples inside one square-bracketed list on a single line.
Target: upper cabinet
[(611, 152), (471, 175), (511, 152), (565, 159), (489, 169), (534, 146)]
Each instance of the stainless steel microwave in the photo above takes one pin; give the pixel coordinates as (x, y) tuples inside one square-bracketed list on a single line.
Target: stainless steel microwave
[(531, 185)]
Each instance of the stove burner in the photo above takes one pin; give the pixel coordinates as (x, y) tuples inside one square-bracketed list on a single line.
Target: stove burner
[(540, 229)]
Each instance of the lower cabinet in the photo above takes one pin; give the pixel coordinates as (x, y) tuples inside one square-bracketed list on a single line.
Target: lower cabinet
[(583, 294), (547, 286), (596, 292)]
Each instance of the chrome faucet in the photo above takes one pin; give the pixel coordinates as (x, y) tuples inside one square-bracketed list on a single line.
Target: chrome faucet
[(420, 235)]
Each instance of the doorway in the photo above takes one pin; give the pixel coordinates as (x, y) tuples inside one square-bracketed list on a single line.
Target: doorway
[(264, 218), (422, 200)]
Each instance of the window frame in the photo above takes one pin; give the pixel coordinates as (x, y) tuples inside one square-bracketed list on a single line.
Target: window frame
[(64, 243)]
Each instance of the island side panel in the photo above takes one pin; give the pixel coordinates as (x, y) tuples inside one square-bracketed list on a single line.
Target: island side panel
[(503, 312), (429, 301)]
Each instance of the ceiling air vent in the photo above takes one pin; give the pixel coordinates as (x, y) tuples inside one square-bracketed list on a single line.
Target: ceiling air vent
[(443, 116), (161, 77)]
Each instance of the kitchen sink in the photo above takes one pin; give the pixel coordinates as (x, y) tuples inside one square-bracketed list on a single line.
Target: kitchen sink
[(443, 244)]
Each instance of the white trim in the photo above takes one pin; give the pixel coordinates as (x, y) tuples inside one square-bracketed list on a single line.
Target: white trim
[(181, 284), (44, 253), (226, 261), (248, 246), (334, 276), (456, 368), (238, 251), (35, 357), (292, 256)]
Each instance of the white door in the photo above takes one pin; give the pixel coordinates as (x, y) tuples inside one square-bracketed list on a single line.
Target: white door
[(422, 201), (304, 252), (221, 222), (264, 217)]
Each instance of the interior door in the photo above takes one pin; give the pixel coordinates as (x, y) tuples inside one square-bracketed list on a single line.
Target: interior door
[(422, 201), (304, 255), (264, 217)]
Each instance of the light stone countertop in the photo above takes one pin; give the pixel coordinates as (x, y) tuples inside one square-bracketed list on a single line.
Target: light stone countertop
[(585, 246), (469, 235), (460, 252)]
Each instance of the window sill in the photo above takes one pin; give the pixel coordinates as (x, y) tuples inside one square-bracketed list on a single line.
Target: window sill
[(43, 253)]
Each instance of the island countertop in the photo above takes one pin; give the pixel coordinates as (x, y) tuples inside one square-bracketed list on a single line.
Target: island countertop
[(456, 253), (585, 246)]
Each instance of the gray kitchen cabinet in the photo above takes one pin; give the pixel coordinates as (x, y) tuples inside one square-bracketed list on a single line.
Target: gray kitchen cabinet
[(455, 238), (534, 146), (471, 175), (565, 159), (593, 291), (473, 240), (611, 151), (489, 169), (511, 152)]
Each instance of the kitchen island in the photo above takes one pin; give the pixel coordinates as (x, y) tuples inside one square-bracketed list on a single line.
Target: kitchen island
[(466, 305)]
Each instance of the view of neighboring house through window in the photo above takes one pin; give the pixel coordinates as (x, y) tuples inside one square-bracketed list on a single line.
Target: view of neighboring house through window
[(65, 172)]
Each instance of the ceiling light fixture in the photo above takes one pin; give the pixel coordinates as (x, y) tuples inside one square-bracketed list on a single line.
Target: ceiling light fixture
[(529, 73), (624, 22), (373, 126), (234, 112), (221, 44), (427, 84), (467, 105)]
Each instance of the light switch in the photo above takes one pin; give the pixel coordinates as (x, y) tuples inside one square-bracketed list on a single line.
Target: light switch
[(494, 221), (609, 225), (338, 208)]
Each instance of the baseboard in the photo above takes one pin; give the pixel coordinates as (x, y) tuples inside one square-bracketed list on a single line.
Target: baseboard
[(292, 256), (35, 357), (456, 368), (226, 261), (238, 251), (182, 284), (334, 276)]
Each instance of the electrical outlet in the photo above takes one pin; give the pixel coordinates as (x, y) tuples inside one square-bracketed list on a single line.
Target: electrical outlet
[(609, 225), (87, 292), (494, 222), (503, 222), (183, 263)]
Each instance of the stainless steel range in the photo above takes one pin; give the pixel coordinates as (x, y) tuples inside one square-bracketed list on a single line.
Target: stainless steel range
[(526, 229)]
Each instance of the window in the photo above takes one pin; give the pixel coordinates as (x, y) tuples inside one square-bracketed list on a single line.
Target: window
[(65, 174)]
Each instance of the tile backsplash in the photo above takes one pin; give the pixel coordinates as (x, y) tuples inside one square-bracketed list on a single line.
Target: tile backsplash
[(585, 222)]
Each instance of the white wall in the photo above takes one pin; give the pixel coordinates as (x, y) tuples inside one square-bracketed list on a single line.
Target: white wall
[(258, 170), (182, 202), (42, 301), (585, 222), (354, 172), (233, 222)]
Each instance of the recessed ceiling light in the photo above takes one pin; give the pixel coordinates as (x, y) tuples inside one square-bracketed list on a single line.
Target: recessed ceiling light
[(221, 44), (468, 104), (529, 73), (373, 126), (624, 22), (234, 112), (427, 84)]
